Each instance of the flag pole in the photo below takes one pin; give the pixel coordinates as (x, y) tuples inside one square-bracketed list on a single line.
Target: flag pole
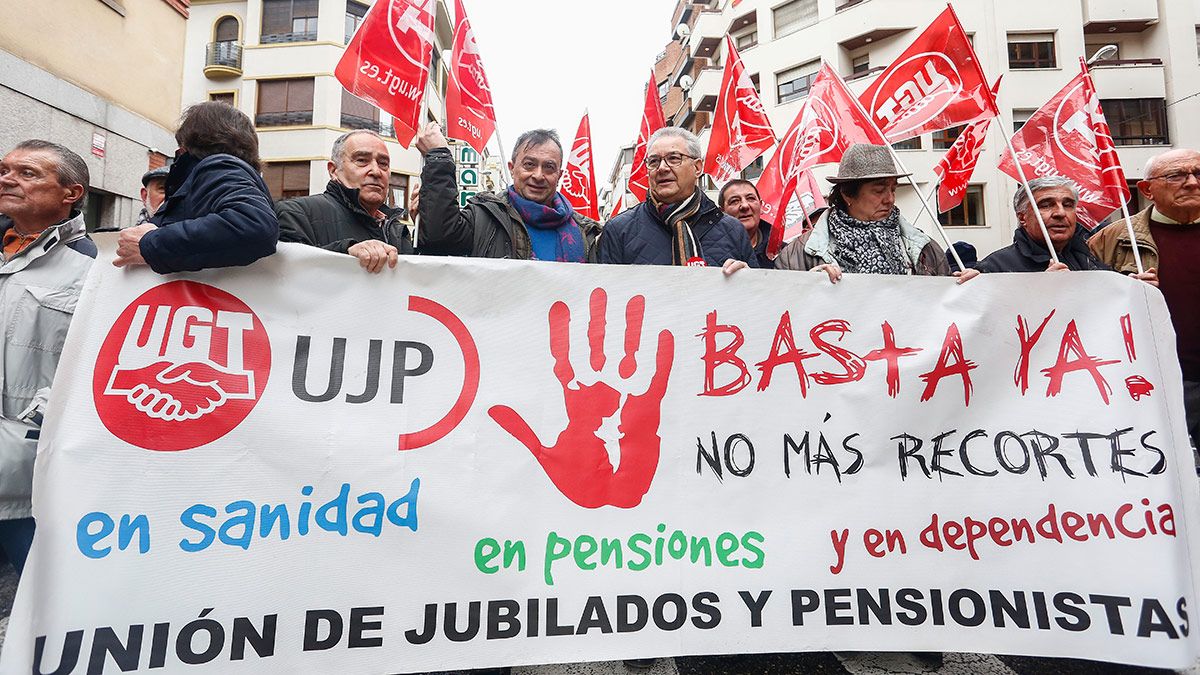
[(925, 207), (1028, 193)]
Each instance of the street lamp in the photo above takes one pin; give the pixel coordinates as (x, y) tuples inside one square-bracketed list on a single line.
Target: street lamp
[(1103, 53)]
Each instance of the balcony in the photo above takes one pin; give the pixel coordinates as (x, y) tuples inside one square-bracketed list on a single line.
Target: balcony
[(1118, 16), (356, 122), (284, 38), (1130, 78), (707, 33), (283, 119), (706, 88), (223, 59)]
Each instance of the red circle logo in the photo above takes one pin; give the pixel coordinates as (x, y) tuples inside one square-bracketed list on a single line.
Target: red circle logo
[(182, 366)]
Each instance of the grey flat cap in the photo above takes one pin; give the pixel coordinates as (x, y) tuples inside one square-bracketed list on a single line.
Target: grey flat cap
[(863, 161), (160, 172)]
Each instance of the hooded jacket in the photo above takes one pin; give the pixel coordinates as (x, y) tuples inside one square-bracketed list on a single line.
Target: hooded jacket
[(218, 213), (335, 220), (39, 288), (488, 227)]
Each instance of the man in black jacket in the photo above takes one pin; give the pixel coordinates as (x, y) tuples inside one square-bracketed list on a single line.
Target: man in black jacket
[(528, 221), (677, 224), (352, 215), (739, 198)]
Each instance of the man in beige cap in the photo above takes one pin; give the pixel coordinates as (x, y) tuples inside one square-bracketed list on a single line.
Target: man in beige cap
[(863, 231)]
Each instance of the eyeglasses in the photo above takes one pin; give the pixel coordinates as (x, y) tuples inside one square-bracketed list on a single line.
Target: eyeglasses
[(1178, 178), (673, 160)]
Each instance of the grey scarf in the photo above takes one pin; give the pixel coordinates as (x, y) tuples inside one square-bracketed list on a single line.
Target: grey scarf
[(872, 246)]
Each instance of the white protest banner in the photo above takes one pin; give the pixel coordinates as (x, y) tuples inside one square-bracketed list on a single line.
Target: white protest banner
[(301, 467)]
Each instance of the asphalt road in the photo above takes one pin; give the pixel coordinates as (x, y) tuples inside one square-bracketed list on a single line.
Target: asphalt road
[(820, 663)]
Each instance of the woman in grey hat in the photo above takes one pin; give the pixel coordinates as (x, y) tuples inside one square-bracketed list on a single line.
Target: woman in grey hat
[(863, 231)]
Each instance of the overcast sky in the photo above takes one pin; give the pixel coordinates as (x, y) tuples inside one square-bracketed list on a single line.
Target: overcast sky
[(548, 60)]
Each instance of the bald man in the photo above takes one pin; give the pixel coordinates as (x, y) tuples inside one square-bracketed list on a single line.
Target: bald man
[(1168, 238)]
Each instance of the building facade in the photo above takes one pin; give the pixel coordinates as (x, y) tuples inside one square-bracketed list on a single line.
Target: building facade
[(1147, 88), (274, 60), (101, 77)]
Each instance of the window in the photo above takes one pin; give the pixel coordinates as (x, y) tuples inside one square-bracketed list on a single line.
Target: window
[(793, 84), (860, 64), (1137, 121), (754, 169), (355, 13), (967, 214), (226, 30), (942, 140), (793, 16), (1031, 50), (226, 97), (910, 144), (289, 21), (398, 191), (358, 114), (286, 179), (754, 81), (1020, 116), (746, 40), (284, 102)]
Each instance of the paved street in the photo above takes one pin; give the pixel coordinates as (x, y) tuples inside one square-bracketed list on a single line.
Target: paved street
[(824, 663)]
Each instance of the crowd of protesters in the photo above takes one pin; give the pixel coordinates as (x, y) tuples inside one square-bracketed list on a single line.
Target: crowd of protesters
[(211, 209)]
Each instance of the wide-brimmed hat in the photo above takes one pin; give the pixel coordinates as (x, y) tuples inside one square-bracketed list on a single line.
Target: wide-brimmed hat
[(864, 161)]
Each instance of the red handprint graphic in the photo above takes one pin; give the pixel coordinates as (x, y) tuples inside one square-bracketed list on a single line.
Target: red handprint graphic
[(578, 463), (187, 391)]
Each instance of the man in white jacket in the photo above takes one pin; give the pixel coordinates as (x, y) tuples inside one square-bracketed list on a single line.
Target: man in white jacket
[(47, 255)]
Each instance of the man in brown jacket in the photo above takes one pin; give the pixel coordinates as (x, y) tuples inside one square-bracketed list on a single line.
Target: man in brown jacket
[(1168, 238)]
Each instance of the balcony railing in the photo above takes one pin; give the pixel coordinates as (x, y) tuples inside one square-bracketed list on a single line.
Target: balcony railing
[(356, 122), (278, 38), (223, 58), (283, 119)]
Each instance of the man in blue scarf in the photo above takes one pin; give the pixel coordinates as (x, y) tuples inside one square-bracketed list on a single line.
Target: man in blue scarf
[(528, 221)]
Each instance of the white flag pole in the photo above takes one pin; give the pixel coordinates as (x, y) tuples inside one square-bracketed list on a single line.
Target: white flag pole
[(925, 207), (1028, 193), (1137, 255)]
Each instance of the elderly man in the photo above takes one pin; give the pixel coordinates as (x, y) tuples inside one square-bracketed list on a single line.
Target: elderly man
[(1168, 235), (154, 192), (677, 224), (352, 215), (1056, 199), (739, 198), (47, 255), (529, 221)]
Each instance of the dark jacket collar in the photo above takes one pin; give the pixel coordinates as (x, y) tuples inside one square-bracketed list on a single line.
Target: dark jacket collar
[(702, 219), (349, 198), (180, 170), (1075, 254)]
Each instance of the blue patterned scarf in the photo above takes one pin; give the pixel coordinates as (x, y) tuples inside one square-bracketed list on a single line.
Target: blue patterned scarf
[(553, 234)]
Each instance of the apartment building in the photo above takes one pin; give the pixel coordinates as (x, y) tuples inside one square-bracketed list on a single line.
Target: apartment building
[(1148, 87), (274, 59), (103, 78)]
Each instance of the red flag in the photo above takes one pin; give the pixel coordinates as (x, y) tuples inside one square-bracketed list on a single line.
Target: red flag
[(741, 130), (1066, 137), (387, 61), (936, 84), (1112, 175), (470, 115), (829, 122), (619, 206), (957, 165), (579, 176), (652, 120)]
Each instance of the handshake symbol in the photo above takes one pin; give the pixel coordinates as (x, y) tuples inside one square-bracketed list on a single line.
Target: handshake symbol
[(179, 392)]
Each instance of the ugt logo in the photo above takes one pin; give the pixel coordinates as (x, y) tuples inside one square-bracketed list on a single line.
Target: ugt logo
[(181, 367)]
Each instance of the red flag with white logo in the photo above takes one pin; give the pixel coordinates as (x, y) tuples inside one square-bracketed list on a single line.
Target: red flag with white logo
[(829, 122), (1066, 137), (652, 120), (470, 115), (955, 169), (579, 176), (619, 206), (937, 83), (387, 61), (741, 130)]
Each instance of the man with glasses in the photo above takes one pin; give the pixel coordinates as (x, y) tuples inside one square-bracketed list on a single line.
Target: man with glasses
[(1168, 238), (529, 221), (678, 224)]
